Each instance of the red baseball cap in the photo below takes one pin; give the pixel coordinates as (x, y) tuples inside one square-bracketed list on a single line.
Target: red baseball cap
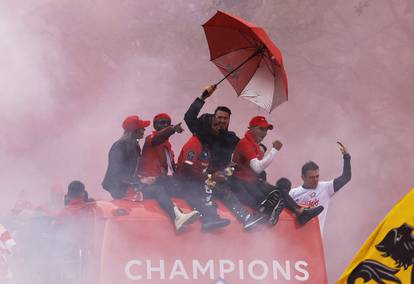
[(133, 122), (162, 115), (261, 122)]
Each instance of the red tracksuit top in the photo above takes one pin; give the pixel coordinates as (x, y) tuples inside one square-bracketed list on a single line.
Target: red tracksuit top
[(153, 160), (246, 150), (193, 161)]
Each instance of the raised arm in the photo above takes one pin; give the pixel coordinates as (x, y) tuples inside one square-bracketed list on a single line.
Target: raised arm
[(191, 115), (340, 181), (259, 166)]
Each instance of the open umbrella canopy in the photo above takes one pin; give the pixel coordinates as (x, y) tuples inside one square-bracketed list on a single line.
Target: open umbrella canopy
[(247, 57)]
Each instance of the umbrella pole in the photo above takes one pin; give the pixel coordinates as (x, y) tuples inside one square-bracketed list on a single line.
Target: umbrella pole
[(259, 50)]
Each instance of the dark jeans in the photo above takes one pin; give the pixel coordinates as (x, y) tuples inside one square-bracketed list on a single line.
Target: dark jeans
[(223, 192), (254, 193), (199, 198), (159, 193), (160, 190), (118, 193)]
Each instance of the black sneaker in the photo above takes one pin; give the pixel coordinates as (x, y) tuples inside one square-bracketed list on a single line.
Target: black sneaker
[(309, 213), (214, 223), (252, 220), (274, 215), (271, 201)]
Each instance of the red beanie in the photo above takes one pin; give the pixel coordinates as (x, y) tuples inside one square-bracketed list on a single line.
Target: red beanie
[(162, 116)]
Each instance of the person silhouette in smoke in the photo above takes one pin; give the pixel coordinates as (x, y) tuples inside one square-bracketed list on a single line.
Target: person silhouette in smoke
[(121, 179), (76, 203), (69, 195)]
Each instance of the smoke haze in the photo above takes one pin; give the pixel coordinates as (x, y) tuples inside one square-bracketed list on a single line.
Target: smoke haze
[(71, 70)]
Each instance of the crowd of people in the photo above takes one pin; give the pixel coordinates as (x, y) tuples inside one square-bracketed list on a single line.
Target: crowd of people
[(214, 164)]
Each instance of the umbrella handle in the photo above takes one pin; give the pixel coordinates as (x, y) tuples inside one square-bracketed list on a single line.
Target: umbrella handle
[(259, 50)]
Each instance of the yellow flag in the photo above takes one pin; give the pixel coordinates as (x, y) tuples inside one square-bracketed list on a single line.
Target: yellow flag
[(387, 256)]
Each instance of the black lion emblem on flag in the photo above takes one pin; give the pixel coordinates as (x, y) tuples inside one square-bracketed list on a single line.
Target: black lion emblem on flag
[(397, 244)]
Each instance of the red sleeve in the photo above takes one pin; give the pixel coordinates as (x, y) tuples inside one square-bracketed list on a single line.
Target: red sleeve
[(246, 151), (159, 137), (190, 152), (187, 161), (148, 139)]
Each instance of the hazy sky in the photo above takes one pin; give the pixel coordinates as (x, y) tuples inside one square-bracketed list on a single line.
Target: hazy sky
[(71, 70)]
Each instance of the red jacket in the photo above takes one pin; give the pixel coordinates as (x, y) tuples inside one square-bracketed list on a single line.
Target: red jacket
[(74, 211), (246, 150), (153, 160), (194, 159)]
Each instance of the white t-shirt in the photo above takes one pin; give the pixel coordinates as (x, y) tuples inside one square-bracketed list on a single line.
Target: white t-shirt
[(315, 197)]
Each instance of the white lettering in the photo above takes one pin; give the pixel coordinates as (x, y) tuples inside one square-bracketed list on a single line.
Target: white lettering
[(285, 272), (223, 269), (128, 267), (178, 270), (160, 269), (255, 270), (252, 273), (241, 269), (203, 270), (298, 268)]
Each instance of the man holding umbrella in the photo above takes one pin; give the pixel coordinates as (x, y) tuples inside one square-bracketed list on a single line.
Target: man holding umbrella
[(223, 144), (202, 183)]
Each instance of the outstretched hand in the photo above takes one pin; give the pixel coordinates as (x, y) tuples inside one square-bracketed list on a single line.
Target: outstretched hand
[(342, 148), (178, 128)]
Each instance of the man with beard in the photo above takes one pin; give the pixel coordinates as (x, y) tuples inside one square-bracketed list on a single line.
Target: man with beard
[(192, 165), (251, 162), (121, 179), (210, 132), (221, 145)]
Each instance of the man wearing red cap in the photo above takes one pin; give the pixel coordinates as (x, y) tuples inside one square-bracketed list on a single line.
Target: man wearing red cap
[(157, 155), (251, 162), (123, 157), (157, 163), (121, 178)]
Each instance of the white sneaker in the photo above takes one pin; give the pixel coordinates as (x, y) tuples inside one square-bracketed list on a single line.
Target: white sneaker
[(182, 219)]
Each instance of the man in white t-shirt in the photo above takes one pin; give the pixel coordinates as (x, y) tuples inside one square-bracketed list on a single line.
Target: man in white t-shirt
[(314, 192)]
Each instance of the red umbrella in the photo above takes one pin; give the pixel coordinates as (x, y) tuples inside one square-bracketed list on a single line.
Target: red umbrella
[(247, 57)]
